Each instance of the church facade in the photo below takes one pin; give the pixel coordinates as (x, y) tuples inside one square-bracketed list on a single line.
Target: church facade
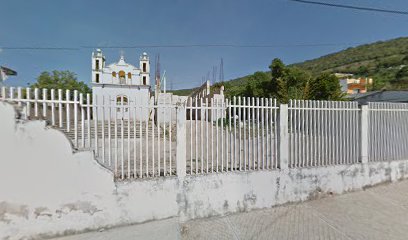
[(121, 85)]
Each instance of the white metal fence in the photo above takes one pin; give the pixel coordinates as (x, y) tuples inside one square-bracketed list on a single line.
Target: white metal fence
[(388, 131), (216, 135), (129, 145), (323, 133), (231, 135), (134, 147)]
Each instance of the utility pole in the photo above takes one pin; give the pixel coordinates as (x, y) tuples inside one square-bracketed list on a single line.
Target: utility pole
[(157, 78), (221, 79), (164, 81), (214, 74)]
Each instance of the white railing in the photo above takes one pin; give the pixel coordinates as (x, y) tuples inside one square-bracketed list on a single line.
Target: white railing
[(388, 131), (134, 141), (134, 146), (323, 133), (231, 135), (206, 135), (59, 107)]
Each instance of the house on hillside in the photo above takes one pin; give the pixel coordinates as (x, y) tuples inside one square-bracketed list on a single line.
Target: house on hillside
[(350, 85)]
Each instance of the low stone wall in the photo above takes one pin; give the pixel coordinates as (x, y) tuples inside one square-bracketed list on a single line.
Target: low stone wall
[(49, 190)]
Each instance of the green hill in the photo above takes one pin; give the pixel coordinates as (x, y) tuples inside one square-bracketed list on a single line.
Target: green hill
[(384, 61)]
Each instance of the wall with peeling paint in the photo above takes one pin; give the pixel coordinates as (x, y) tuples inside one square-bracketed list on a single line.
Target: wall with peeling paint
[(49, 190), (220, 194), (45, 186)]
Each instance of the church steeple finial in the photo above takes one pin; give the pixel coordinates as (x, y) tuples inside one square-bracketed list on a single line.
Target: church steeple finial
[(122, 55)]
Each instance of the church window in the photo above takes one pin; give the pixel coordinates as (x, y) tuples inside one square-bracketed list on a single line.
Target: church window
[(130, 75), (97, 64), (144, 80), (125, 102), (113, 74), (97, 78), (121, 101), (144, 67), (122, 76)]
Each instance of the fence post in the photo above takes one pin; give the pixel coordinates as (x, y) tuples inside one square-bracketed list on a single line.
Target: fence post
[(44, 98), (283, 137), (11, 93), (364, 134), (3, 93), (181, 141), (19, 96), (76, 118), (28, 98), (36, 102)]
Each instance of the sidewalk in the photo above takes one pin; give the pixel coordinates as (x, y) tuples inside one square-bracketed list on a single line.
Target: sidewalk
[(168, 229), (376, 213)]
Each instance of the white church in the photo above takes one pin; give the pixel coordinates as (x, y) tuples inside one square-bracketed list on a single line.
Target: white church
[(127, 88), (120, 84)]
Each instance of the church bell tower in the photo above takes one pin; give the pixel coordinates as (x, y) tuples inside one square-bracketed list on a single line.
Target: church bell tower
[(98, 63), (144, 69)]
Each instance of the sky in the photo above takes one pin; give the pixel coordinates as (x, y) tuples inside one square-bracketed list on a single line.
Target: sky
[(294, 31)]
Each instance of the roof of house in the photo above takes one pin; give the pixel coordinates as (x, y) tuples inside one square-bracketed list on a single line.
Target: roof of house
[(380, 96), (8, 71)]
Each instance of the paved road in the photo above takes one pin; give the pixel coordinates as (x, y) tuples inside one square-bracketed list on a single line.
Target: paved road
[(376, 213)]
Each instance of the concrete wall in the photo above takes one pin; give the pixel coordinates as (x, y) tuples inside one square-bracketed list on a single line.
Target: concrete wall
[(136, 96), (48, 190), (45, 187), (164, 112), (235, 192)]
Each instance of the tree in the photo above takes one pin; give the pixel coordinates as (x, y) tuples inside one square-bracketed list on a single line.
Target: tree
[(297, 82), (325, 87), (401, 78), (402, 73), (256, 85), (61, 80), (362, 70), (277, 85), (405, 60), (286, 83)]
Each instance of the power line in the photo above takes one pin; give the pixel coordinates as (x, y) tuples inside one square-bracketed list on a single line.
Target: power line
[(223, 45), (352, 7), (181, 46), (41, 48)]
